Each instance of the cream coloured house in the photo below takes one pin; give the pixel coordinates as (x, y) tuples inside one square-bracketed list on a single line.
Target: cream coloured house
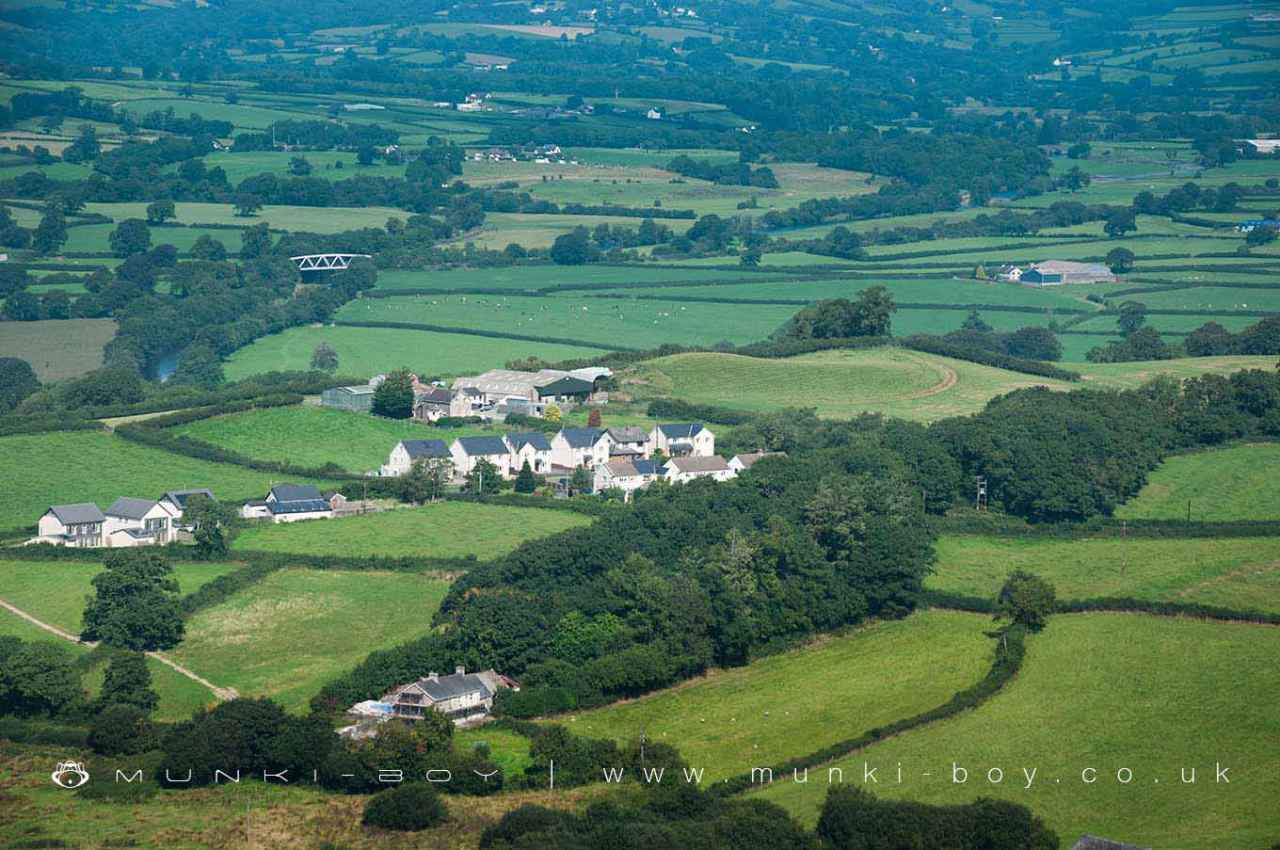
[(686, 438), (531, 447), (585, 447), (683, 469)]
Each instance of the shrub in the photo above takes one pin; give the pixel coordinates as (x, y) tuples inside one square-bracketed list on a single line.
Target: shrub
[(408, 808), (121, 730)]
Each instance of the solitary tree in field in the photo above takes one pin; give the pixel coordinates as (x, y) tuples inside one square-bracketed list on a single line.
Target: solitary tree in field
[(1120, 260), (1133, 314), (1026, 599), (158, 212), (299, 166), (51, 233), (247, 205), (324, 357)]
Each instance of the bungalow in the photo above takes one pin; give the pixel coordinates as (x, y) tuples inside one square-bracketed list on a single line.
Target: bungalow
[(741, 463), (78, 525), (625, 475), (585, 447), (137, 522), (461, 697), (629, 442), (530, 447), (407, 452), (682, 439), (468, 451), (681, 469), (294, 502)]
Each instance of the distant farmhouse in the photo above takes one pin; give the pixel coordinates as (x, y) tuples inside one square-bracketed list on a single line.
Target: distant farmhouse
[(1250, 225), (1060, 272)]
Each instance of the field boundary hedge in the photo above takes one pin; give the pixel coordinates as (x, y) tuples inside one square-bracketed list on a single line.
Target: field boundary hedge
[(945, 348), (1111, 605), (1002, 525)]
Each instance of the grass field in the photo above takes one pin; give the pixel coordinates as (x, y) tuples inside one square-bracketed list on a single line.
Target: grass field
[(732, 720), (369, 351), (96, 238), (310, 436), (841, 384), (440, 530), (1130, 375), (312, 219), (1234, 572), (59, 348), (317, 623), (92, 466), (538, 277), (1236, 482), (1108, 692)]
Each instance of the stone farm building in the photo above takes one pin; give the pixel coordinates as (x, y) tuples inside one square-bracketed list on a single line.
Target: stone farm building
[(1060, 272)]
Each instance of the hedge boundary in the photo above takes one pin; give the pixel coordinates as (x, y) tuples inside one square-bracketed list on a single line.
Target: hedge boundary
[(945, 348), (1112, 605)]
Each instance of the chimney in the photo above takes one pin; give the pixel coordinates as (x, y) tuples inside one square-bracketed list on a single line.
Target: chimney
[(432, 675), (460, 670)]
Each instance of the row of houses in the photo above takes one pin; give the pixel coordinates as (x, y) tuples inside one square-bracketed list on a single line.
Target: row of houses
[(631, 475), (564, 452), (126, 522)]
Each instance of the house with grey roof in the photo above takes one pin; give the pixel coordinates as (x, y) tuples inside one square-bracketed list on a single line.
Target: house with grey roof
[(742, 462), (79, 525), (682, 438), (581, 447), (175, 501), (137, 522), (531, 447), (1060, 272), (462, 696), (289, 503), (408, 452), (688, 467), (433, 403), (630, 442), (626, 475), (468, 451)]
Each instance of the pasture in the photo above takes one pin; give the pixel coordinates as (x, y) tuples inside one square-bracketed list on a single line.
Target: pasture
[(1233, 572), (370, 351), (1231, 483), (731, 720), (318, 623), (58, 348), (517, 278), (310, 219), (439, 530), (1106, 692), (94, 466)]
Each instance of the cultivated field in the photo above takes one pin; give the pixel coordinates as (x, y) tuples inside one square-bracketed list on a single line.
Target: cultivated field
[(440, 530), (318, 623), (59, 348), (1234, 572), (1107, 692), (1237, 482), (732, 720), (93, 466)]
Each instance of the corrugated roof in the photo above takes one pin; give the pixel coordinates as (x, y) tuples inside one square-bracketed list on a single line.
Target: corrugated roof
[(77, 513), (130, 508)]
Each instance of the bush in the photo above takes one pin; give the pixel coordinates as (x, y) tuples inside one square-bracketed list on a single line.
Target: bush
[(121, 730), (408, 808)]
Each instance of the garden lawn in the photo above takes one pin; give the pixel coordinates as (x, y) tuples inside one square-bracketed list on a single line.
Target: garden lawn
[(39, 470), (1107, 691), (1233, 572), (285, 636), (787, 705), (440, 530), (59, 348), (369, 351), (1232, 483)]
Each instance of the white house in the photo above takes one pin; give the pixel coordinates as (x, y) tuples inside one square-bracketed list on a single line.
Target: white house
[(586, 447), (467, 452), (407, 452), (741, 463), (290, 503), (629, 442), (682, 439), (79, 525), (1011, 274), (137, 522), (687, 468), (625, 475), (530, 447), (461, 697), (175, 502), (654, 114)]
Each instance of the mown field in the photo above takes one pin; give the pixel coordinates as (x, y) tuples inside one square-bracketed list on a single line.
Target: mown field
[(1236, 482), (59, 348), (317, 624), (369, 351), (787, 705), (440, 530), (1233, 572), (312, 219), (94, 466), (1107, 691)]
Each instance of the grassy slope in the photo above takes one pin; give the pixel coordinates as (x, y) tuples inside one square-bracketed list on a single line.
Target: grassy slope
[(1233, 572), (790, 704), (444, 529), (88, 466), (368, 351), (1237, 482), (311, 436), (59, 348), (1110, 691), (288, 634)]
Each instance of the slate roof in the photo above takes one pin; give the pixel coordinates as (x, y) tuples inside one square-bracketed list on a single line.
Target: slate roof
[(455, 685), (715, 463), (298, 506), (475, 446), (425, 448), (179, 497), (130, 508), (681, 431), (537, 439), (630, 434), (77, 513), (435, 395), (296, 493), (648, 467), (136, 533), (582, 438)]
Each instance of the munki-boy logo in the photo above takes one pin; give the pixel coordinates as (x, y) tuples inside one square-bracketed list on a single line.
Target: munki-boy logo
[(69, 774)]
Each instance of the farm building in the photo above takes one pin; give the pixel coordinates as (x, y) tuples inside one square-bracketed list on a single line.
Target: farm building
[(78, 525), (1059, 272), (681, 469), (537, 389), (358, 398), (685, 438), (407, 452), (1092, 842), (461, 696), (433, 403), (1258, 223)]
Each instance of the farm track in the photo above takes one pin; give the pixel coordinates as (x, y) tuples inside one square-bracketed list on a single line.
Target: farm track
[(220, 693)]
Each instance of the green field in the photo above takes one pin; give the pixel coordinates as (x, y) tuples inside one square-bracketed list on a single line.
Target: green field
[(1237, 482), (59, 348), (1107, 692), (370, 351), (96, 238), (842, 384), (1233, 572), (316, 624), (538, 277), (440, 530), (1130, 375), (311, 436), (92, 466), (312, 219), (787, 705)]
